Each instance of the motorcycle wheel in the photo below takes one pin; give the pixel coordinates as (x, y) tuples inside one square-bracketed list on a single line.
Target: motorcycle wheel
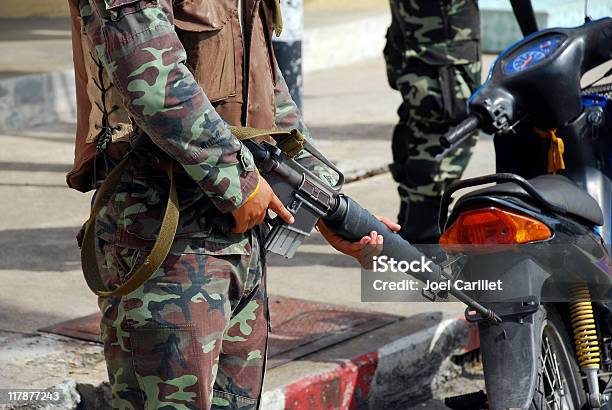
[(559, 385)]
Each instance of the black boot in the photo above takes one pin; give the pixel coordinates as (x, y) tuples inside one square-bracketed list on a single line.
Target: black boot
[(419, 221), (402, 135)]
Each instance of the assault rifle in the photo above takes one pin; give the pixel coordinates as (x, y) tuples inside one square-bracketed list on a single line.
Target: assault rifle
[(311, 198)]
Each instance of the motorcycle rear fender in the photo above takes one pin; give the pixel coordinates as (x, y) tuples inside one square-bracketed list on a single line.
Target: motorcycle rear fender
[(511, 349), (510, 354)]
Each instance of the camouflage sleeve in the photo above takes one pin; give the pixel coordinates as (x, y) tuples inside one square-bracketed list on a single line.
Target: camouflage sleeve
[(136, 41)]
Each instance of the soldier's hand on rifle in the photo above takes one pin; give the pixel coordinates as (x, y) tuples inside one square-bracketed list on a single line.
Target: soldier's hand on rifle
[(253, 212), (362, 250)]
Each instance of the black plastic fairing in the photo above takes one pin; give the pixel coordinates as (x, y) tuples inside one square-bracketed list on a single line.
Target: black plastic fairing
[(547, 89)]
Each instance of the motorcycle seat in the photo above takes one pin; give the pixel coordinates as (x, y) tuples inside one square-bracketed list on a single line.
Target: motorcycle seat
[(556, 189)]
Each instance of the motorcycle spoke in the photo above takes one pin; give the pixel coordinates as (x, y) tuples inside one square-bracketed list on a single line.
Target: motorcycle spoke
[(554, 394)]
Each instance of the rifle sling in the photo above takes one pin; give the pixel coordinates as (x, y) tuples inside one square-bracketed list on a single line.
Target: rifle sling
[(291, 144), (158, 253), (167, 231)]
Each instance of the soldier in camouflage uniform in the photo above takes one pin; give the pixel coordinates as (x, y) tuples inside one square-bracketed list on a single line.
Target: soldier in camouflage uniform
[(194, 335), (433, 60)]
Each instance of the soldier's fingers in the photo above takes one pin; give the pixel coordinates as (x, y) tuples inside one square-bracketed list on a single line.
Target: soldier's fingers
[(390, 224), (379, 245), (373, 241), (239, 228), (279, 209), (261, 218), (365, 240), (357, 247), (372, 249), (242, 225)]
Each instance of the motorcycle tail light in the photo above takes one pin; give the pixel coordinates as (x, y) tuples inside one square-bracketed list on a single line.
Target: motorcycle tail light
[(483, 230)]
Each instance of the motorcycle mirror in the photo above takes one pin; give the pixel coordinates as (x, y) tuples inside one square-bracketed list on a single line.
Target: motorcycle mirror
[(525, 16), (587, 17)]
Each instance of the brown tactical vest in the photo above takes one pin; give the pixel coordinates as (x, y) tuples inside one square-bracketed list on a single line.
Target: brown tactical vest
[(218, 57)]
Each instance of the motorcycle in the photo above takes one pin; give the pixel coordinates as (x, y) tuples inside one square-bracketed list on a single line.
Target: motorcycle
[(540, 228)]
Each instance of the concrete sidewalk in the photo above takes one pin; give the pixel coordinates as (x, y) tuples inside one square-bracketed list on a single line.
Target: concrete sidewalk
[(40, 45), (42, 282), (37, 82)]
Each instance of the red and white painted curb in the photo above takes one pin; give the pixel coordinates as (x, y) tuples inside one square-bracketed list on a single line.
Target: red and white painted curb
[(379, 378)]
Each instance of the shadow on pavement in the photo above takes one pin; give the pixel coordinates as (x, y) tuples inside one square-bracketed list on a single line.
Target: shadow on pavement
[(55, 249), (39, 249), (28, 319), (27, 184), (34, 167), (60, 140), (306, 258), (372, 131), (35, 28)]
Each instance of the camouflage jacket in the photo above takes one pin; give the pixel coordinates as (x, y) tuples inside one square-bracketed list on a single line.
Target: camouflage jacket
[(436, 32), (146, 75)]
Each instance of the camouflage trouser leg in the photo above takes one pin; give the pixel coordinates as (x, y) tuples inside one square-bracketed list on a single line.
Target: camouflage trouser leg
[(432, 56), (424, 117), (193, 337)]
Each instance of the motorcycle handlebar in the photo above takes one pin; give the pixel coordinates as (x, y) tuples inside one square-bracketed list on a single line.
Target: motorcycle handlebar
[(461, 131)]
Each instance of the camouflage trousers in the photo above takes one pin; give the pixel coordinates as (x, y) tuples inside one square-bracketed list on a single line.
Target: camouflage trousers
[(424, 117), (194, 336), (434, 99), (435, 78)]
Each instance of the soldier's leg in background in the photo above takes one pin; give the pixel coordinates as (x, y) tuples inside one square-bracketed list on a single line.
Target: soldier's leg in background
[(434, 100), (163, 341), (432, 57), (394, 47), (395, 65)]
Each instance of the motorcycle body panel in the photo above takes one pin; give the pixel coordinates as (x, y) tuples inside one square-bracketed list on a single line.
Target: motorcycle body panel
[(516, 99)]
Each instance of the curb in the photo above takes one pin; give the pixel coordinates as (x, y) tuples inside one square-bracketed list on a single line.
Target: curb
[(398, 374), (394, 376)]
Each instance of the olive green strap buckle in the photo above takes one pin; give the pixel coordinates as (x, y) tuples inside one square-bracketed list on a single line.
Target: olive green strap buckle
[(290, 142), (159, 252)]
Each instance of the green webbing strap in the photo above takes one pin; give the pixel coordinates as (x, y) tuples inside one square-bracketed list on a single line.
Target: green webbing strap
[(161, 248), (278, 18), (158, 253), (292, 144)]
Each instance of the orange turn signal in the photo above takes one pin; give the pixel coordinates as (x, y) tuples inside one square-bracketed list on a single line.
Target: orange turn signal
[(478, 230)]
